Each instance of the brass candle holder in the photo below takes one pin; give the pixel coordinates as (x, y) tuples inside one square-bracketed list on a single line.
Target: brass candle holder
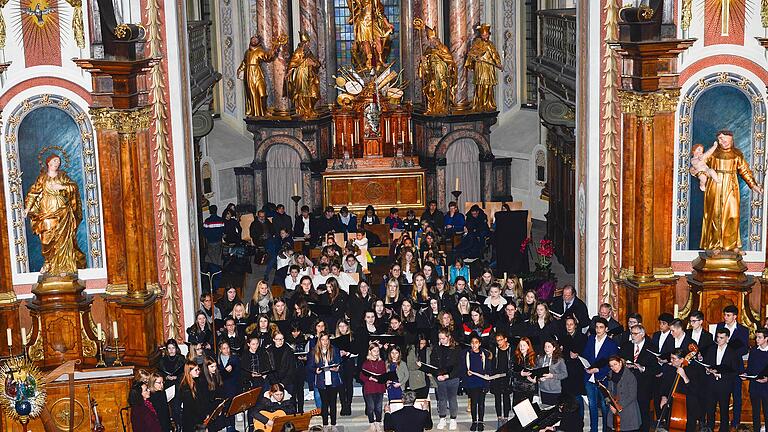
[(117, 361), (101, 362)]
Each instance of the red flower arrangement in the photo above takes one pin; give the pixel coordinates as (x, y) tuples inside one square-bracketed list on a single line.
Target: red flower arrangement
[(545, 251)]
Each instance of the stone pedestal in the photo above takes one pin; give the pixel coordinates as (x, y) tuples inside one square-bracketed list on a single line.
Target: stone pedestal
[(62, 327), (720, 279), (434, 134), (310, 138)]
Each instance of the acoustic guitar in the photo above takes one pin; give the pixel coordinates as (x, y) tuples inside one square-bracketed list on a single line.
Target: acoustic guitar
[(257, 425)]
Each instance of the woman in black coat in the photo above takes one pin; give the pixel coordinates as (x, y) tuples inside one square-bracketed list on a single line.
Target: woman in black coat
[(171, 368), (229, 368), (193, 396), (573, 342), (159, 401)]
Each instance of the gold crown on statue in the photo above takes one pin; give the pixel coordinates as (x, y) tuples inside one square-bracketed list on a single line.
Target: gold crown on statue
[(483, 28)]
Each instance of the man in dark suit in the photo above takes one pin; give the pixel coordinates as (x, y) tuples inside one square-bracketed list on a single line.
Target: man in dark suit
[(408, 418), (739, 342), (725, 366), (644, 365), (677, 333), (281, 219), (698, 333), (625, 338), (615, 329), (569, 304), (661, 341), (326, 223)]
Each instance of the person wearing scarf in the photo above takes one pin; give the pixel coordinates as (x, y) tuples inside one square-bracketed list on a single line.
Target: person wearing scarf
[(477, 362), (143, 414), (623, 387)]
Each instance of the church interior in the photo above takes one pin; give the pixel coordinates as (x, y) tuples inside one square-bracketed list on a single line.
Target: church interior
[(219, 194)]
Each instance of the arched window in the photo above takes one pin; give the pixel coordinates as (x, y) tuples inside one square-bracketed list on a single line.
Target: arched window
[(345, 36)]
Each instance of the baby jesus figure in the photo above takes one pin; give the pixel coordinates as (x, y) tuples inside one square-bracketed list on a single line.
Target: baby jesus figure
[(699, 167)]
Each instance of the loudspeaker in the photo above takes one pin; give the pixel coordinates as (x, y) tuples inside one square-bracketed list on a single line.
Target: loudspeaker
[(511, 230)]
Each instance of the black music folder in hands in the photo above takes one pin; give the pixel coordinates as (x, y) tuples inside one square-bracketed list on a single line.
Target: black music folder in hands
[(381, 378)]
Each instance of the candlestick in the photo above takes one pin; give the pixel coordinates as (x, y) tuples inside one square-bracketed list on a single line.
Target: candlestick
[(101, 362), (114, 330), (23, 336), (675, 313), (457, 184), (117, 353), (10, 337)]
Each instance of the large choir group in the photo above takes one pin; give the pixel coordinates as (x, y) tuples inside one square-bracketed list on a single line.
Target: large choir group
[(428, 328)]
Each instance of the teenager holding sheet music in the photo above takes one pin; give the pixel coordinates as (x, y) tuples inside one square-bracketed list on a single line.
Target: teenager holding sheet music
[(722, 364), (757, 366), (446, 358), (324, 363), (416, 356), (525, 357), (396, 364), (373, 390), (345, 342), (596, 353), (476, 362), (549, 383), (503, 358)]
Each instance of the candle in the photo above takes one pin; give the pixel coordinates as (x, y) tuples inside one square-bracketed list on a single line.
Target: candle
[(98, 332), (357, 133), (766, 311), (676, 311), (387, 131), (457, 183), (333, 131), (10, 337), (114, 329), (23, 335), (402, 133), (505, 277), (410, 133), (295, 189)]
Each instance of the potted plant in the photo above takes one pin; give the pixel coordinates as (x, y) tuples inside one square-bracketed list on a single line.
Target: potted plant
[(542, 280)]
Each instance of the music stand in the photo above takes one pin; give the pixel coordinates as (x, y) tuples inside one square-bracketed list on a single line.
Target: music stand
[(217, 412), (244, 401)]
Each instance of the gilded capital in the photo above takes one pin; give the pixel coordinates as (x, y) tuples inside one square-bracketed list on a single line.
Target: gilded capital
[(123, 121), (646, 105)]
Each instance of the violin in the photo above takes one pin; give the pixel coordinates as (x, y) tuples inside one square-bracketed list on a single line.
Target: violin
[(96, 424), (678, 416)]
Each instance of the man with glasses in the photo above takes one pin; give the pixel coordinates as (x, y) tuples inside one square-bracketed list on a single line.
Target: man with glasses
[(698, 333), (644, 365), (625, 338)]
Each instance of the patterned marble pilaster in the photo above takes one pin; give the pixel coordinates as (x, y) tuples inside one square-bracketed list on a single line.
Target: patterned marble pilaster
[(510, 49), (458, 32), (429, 13), (327, 51), (281, 20), (308, 23), (264, 22), (474, 18)]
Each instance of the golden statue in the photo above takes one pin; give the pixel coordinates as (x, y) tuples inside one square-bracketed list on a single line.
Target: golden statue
[(55, 211), (303, 82), (720, 227), (484, 60), (371, 30), (250, 72), (437, 72)]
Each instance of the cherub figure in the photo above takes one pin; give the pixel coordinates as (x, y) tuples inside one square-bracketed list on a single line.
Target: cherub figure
[(699, 167)]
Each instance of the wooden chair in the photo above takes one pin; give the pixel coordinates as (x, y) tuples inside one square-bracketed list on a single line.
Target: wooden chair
[(339, 239), (277, 290), (382, 231)]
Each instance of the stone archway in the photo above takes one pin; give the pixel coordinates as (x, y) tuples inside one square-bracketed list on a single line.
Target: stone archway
[(485, 157)]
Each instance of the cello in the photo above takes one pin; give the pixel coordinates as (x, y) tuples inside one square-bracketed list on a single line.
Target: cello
[(678, 415), (613, 401)]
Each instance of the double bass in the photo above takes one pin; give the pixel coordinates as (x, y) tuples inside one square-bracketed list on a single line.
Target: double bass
[(678, 415)]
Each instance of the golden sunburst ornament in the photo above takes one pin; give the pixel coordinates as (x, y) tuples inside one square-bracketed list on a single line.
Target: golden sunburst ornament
[(22, 389)]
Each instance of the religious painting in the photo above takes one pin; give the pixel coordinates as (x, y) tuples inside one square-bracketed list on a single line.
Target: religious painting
[(41, 128), (39, 23), (720, 101)]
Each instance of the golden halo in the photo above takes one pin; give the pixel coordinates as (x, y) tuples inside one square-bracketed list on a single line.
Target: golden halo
[(19, 369), (49, 150)]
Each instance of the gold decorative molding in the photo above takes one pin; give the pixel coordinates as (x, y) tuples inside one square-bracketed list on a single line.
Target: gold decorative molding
[(89, 345), (8, 298), (77, 22), (685, 311), (764, 13), (645, 105), (2, 24), (664, 273), (169, 274), (36, 349), (609, 197), (123, 121), (687, 15), (116, 289)]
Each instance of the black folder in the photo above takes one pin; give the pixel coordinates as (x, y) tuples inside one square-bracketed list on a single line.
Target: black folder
[(379, 377)]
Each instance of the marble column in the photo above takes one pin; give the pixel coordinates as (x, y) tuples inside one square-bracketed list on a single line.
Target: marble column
[(430, 13), (408, 37), (281, 21), (327, 51), (473, 16), (264, 23), (308, 24), (459, 44)]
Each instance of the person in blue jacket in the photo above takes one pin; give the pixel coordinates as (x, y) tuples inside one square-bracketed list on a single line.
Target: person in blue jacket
[(598, 350), (476, 362), (324, 362), (758, 387), (453, 220)]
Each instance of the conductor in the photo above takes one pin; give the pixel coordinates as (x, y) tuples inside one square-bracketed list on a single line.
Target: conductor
[(408, 418)]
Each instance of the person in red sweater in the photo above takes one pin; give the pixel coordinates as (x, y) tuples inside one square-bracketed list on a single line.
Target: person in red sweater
[(373, 391), (143, 414)]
